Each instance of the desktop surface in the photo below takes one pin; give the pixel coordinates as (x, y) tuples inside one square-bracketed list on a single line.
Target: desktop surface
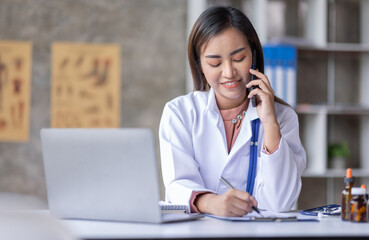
[(209, 228)]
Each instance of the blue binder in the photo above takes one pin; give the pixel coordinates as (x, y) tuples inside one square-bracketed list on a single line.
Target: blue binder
[(280, 64)]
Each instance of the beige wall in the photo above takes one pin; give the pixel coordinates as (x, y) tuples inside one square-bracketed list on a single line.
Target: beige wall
[(152, 35)]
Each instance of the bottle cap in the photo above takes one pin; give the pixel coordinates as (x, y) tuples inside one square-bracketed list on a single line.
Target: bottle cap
[(348, 173), (349, 178), (358, 191)]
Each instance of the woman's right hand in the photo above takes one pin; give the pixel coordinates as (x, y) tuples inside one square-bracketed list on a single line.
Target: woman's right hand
[(233, 203)]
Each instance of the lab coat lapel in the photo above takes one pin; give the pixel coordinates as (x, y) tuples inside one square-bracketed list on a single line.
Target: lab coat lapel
[(245, 133), (216, 120)]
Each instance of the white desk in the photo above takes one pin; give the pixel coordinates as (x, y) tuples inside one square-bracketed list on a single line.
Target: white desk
[(213, 228)]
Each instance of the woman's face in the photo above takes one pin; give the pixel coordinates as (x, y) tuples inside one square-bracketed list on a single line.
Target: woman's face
[(225, 61)]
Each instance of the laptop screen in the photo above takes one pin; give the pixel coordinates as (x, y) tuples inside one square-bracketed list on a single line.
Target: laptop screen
[(106, 174)]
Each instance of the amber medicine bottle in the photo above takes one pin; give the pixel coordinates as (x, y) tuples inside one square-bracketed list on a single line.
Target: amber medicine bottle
[(366, 194), (346, 195), (358, 205), (367, 201)]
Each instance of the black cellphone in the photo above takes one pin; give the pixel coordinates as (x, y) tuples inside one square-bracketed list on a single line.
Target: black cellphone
[(253, 77)]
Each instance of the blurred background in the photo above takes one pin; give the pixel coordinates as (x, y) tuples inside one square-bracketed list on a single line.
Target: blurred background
[(329, 38)]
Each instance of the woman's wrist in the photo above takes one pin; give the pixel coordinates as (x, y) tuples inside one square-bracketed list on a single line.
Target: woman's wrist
[(202, 202), (272, 135)]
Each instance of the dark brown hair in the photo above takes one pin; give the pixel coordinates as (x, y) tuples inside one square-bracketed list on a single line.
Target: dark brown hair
[(212, 22)]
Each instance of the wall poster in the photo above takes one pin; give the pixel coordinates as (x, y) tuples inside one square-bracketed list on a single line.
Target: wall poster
[(85, 85), (15, 89)]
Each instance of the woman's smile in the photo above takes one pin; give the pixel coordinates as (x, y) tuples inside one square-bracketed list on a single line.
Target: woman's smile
[(231, 84)]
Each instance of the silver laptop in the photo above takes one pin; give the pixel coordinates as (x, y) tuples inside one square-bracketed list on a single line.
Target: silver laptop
[(103, 174)]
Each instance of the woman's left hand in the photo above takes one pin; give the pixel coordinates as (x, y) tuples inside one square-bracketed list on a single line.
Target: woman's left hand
[(265, 108)]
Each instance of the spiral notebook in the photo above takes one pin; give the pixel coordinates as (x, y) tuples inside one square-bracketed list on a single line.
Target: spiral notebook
[(172, 208)]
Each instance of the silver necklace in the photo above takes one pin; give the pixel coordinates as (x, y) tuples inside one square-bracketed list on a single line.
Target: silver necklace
[(239, 117)]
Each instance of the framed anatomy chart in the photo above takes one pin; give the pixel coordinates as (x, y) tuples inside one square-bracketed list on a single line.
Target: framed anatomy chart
[(15, 89), (85, 90)]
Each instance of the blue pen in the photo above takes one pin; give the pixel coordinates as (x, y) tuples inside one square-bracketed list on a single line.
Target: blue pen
[(231, 187)]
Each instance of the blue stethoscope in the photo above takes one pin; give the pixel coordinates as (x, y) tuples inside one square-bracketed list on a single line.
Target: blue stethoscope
[(328, 210), (253, 156)]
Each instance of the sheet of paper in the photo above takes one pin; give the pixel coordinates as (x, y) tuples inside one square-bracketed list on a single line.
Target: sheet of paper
[(264, 214)]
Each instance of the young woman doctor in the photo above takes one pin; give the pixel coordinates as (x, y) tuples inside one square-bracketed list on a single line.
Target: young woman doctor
[(208, 133)]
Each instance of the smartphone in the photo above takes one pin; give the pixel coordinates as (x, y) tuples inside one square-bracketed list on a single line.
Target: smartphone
[(253, 77)]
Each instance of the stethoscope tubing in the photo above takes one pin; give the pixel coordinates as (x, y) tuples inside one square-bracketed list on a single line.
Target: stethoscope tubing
[(253, 156)]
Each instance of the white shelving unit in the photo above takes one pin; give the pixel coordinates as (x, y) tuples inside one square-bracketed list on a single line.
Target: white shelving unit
[(364, 76), (316, 130)]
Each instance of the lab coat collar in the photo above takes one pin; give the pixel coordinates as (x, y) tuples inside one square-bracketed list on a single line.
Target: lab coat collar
[(212, 102), (245, 132), (251, 113)]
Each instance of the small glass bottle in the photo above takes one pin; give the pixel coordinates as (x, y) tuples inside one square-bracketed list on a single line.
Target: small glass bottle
[(346, 195), (366, 194), (358, 205), (367, 201)]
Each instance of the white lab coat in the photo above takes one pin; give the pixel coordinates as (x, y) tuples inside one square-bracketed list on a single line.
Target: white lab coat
[(194, 153)]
